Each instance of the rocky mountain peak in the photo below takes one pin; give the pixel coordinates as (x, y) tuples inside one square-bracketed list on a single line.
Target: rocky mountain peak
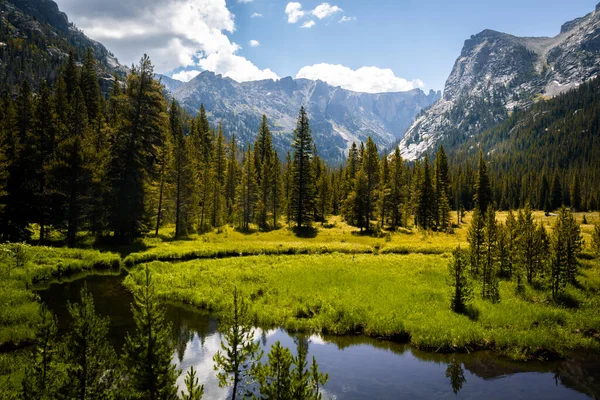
[(496, 72)]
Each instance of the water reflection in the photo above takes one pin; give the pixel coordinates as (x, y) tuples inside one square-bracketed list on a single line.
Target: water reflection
[(358, 367)]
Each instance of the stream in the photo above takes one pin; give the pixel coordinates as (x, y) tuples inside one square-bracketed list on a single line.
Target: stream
[(358, 367)]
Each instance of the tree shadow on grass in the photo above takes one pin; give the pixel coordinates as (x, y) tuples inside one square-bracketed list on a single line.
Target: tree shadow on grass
[(109, 243), (305, 232), (471, 312)]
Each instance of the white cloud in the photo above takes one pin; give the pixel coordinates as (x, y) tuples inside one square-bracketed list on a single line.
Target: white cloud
[(254, 43), (346, 19), (308, 24), (186, 76), (256, 15), (365, 79), (235, 67), (174, 33), (294, 12), (324, 10)]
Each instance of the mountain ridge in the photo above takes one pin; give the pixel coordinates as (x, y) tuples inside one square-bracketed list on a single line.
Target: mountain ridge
[(497, 72), (338, 116)]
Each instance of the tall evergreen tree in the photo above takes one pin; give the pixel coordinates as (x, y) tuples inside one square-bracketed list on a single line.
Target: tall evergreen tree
[(426, 198), (233, 175), (370, 170), (462, 291), (247, 191), (136, 145), (148, 351), (219, 162), (398, 190), (91, 361), (476, 239), (489, 278), (483, 189), (303, 181)]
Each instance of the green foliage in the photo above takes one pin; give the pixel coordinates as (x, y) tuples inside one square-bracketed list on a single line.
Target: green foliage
[(567, 244), (239, 352), (91, 364), (596, 240), (287, 377), (194, 391), (148, 351), (462, 290), (302, 196)]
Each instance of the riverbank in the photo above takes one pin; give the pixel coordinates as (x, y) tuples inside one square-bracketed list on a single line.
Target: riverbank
[(336, 280)]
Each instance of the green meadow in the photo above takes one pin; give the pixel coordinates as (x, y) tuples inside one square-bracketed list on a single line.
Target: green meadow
[(335, 280)]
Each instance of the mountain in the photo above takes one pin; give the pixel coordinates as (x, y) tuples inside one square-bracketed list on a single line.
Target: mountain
[(169, 83), (337, 116), (497, 72), (35, 40)]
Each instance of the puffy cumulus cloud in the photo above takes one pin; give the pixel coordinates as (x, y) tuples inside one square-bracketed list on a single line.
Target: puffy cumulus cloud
[(308, 24), (174, 33), (235, 67), (294, 12), (346, 19), (365, 79), (254, 43), (186, 76), (325, 10)]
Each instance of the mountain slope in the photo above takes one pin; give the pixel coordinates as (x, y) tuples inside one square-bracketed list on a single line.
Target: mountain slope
[(337, 116), (497, 72), (35, 39)]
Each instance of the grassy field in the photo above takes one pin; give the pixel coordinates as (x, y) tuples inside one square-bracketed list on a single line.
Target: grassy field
[(335, 280), (399, 297), (20, 309)]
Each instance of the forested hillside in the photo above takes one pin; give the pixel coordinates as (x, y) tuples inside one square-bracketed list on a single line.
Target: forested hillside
[(548, 154), (35, 41)]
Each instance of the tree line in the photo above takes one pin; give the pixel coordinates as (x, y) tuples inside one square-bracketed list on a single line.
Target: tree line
[(82, 364), (73, 160)]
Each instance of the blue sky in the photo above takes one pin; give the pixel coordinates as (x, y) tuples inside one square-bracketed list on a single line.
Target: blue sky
[(410, 43)]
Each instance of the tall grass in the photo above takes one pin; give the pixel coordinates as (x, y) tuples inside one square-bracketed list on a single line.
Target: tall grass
[(388, 296)]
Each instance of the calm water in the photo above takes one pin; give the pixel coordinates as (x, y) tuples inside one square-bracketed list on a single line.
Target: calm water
[(359, 368)]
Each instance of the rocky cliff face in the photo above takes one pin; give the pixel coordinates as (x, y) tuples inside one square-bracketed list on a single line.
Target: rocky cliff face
[(337, 116), (49, 36), (497, 72)]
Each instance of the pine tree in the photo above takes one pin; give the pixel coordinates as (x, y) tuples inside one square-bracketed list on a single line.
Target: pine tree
[(288, 183), (136, 145), (263, 155), (398, 190), (323, 194), (232, 178), (461, 287), (476, 239), (483, 190), (71, 169), (426, 199), (239, 352), (164, 166), (370, 170), (557, 195), (527, 243), (489, 278), (219, 162), (566, 246), (303, 179), (442, 190), (43, 147), (148, 351), (42, 377), (91, 90), (203, 143), (247, 191), (512, 232), (18, 190), (276, 191), (194, 391), (91, 361)]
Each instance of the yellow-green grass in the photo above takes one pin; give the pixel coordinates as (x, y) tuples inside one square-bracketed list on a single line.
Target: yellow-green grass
[(336, 236), (400, 297), (19, 309)]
